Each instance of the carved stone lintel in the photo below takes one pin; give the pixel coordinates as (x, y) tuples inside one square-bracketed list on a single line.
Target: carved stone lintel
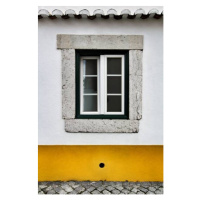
[(99, 41)]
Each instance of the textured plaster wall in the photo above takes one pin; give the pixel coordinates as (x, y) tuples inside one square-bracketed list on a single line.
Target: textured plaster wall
[(51, 125)]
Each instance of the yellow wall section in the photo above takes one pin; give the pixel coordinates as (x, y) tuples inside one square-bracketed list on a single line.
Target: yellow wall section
[(81, 162)]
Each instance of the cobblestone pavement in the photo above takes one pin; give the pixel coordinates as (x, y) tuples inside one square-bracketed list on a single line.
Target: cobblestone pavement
[(99, 187)]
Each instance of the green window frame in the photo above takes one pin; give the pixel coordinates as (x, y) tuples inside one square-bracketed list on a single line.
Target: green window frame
[(78, 55)]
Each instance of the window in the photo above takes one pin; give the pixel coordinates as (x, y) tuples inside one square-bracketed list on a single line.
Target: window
[(102, 81), (101, 88), (98, 115)]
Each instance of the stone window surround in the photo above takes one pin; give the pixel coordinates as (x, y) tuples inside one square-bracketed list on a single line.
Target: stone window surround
[(68, 44)]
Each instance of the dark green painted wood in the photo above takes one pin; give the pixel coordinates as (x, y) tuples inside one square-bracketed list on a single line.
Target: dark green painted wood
[(80, 53)]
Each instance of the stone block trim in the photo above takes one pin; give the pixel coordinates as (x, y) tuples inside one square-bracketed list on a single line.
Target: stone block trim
[(99, 41), (68, 44), (68, 83), (101, 126), (135, 84)]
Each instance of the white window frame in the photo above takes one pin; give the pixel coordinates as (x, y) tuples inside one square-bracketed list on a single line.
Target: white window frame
[(81, 84), (102, 85), (122, 84)]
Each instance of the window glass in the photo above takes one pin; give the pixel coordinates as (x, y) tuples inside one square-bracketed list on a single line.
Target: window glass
[(90, 103), (90, 67), (114, 84), (114, 103), (113, 65), (90, 85)]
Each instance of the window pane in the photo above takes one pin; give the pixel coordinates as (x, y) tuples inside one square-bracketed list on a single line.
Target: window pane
[(114, 66), (114, 103), (90, 103), (90, 84), (90, 67), (114, 84)]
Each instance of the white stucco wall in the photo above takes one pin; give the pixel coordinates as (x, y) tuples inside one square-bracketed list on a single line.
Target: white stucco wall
[(51, 124)]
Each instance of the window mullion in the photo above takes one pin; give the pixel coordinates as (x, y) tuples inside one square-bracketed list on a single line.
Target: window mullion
[(105, 84), (102, 84)]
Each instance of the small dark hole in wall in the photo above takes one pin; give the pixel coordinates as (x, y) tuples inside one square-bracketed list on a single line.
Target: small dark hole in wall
[(101, 165)]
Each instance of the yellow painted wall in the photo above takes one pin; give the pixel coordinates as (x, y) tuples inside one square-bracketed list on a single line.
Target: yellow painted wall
[(81, 162)]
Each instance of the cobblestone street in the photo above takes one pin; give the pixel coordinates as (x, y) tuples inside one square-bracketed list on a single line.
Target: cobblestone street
[(99, 187)]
